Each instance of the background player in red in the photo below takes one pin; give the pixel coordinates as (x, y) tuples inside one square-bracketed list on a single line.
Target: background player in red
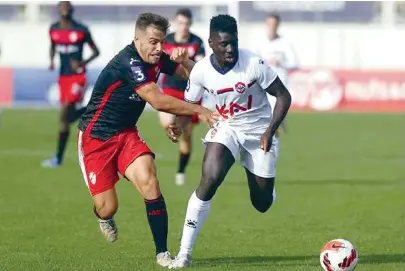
[(68, 38), (109, 142), (175, 86)]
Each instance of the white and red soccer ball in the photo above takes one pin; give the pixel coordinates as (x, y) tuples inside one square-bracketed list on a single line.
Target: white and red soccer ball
[(339, 255)]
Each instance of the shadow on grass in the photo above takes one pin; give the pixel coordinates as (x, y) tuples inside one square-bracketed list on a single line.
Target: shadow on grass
[(293, 260), (282, 182), (342, 182)]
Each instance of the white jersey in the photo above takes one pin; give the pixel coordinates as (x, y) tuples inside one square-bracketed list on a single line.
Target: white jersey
[(279, 55), (239, 94)]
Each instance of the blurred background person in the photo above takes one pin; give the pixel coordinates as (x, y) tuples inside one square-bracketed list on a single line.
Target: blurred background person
[(68, 37), (174, 86), (279, 54)]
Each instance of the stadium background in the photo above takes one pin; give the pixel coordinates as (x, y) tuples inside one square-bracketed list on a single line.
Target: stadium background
[(350, 53), (340, 174)]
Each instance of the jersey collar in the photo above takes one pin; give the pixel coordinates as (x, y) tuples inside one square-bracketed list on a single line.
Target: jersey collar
[(218, 69)]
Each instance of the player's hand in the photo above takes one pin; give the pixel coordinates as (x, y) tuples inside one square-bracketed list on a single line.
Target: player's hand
[(76, 65), (209, 117), (174, 132), (179, 55), (266, 140), (51, 66)]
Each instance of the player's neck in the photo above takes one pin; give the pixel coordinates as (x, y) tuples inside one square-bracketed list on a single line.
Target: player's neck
[(66, 23), (180, 38)]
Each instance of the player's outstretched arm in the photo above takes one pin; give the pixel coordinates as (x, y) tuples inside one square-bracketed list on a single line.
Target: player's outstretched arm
[(151, 94), (52, 54)]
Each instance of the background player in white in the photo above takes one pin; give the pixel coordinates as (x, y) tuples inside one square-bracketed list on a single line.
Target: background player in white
[(278, 53), (238, 81)]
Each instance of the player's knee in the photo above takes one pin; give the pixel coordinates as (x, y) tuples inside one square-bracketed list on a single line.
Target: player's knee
[(63, 120), (185, 147), (148, 186), (262, 207), (208, 185), (106, 208), (263, 204), (150, 189)]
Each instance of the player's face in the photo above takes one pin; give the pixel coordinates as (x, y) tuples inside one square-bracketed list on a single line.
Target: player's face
[(149, 43), (183, 25), (64, 9), (225, 47), (271, 27)]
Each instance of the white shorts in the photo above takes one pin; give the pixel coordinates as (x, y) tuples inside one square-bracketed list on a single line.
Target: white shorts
[(247, 145)]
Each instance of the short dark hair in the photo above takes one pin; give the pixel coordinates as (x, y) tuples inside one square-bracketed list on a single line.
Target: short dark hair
[(275, 16), (146, 19), (185, 12), (223, 23)]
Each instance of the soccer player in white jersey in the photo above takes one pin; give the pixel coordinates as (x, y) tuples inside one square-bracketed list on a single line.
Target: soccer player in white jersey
[(278, 53), (237, 81)]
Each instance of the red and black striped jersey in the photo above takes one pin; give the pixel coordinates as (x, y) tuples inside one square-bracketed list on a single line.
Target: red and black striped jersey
[(194, 46), (114, 105), (69, 42)]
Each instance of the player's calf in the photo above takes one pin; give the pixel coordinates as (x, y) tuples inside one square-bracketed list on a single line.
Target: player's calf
[(217, 162), (185, 153), (142, 174), (105, 207), (214, 170)]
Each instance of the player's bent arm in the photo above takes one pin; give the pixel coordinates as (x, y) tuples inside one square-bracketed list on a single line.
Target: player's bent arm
[(165, 103), (184, 69), (52, 52), (283, 102)]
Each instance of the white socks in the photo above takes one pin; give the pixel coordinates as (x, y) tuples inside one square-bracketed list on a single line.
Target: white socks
[(197, 213)]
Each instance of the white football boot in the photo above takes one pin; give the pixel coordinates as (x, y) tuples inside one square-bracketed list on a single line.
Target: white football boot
[(164, 259), (180, 179), (181, 261), (51, 163), (108, 229)]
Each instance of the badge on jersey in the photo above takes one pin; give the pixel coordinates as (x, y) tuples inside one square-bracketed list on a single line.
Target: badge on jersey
[(240, 87), (188, 85), (261, 61), (138, 74)]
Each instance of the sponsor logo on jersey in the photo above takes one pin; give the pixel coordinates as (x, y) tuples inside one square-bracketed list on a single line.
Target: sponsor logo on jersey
[(66, 49)]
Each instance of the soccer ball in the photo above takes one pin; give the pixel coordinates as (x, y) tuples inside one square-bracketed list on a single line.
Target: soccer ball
[(339, 255)]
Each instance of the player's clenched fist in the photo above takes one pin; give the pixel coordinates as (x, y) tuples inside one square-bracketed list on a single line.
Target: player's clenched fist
[(179, 55), (174, 132), (266, 140)]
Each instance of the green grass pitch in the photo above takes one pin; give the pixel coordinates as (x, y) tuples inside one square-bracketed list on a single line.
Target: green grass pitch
[(339, 176)]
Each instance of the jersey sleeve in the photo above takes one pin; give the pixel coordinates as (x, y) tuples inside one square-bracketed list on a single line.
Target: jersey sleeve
[(167, 65), (195, 87), (136, 74), (88, 38), (264, 75)]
